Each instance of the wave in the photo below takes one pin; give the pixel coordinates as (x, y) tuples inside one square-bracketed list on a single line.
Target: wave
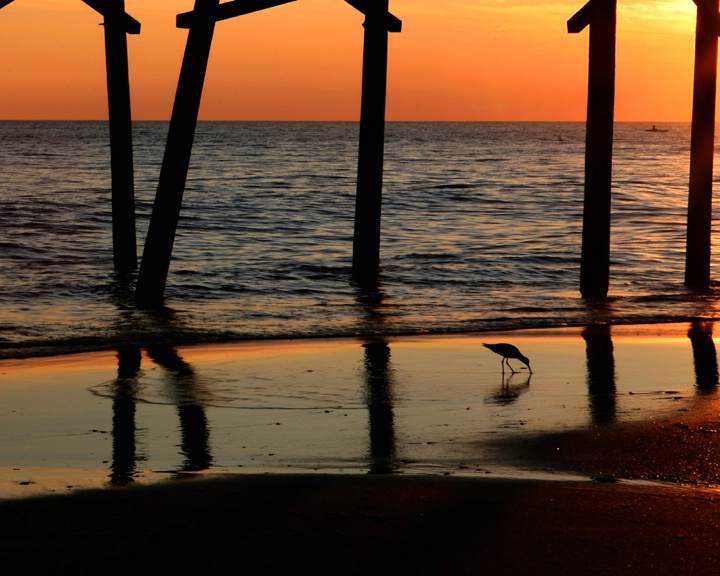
[(481, 231)]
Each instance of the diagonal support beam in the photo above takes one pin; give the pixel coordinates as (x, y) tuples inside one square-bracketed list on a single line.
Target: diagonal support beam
[(392, 23), (227, 10), (157, 253), (108, 10), (155, 263), (582, 18)]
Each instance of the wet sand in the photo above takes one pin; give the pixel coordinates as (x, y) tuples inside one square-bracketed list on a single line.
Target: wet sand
[(604, 463)]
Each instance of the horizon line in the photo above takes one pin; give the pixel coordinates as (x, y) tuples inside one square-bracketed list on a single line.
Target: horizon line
[(357, 121)]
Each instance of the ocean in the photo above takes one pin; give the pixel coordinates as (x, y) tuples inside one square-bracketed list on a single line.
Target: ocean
[(481, 231)]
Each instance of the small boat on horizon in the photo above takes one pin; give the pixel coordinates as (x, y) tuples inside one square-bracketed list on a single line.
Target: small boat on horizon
[(655, 129)]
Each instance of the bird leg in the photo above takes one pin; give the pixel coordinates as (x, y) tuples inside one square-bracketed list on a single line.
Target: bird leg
[(507, 360)]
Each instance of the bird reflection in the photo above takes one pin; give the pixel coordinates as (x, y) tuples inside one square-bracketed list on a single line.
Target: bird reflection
[(509, 391), (704, 356), (600, 372), (124, 391), (379, 398), (185, 387)]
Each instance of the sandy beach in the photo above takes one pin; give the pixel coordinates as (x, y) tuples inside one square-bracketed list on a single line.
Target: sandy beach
[(280, 524), (357, 457)]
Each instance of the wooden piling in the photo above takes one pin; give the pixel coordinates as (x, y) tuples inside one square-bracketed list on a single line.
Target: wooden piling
[(121, 145), (117, 24), (176, 160), (702, 147), (600, 15), (157, 253), (368, 199)]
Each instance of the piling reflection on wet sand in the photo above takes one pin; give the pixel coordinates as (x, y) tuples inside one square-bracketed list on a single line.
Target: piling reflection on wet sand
[(390, 405)]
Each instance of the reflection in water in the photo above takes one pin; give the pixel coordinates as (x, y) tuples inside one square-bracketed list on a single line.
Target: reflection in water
[(124, 391), (600, 372), (378, 395), (194, 428), (704, 356), (186, 396), (509, 391), (370, 304), (378, 381)]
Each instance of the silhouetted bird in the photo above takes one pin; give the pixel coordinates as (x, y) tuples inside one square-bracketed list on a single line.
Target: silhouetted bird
[(508, 351)]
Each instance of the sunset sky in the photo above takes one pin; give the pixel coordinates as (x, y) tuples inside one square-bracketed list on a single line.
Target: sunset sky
[(454, 60)]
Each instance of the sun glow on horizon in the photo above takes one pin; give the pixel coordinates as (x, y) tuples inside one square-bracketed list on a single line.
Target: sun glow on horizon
[(479, 60)]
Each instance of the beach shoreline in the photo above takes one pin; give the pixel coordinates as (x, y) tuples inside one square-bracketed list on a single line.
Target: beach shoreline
[(423, 404), (31, 350), (368, 456)]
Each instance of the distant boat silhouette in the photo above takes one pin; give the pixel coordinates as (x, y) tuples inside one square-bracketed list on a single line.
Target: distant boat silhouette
[(654, 129)]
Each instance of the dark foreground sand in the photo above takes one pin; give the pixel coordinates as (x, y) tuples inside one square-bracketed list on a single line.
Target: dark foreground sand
[(365, 525)]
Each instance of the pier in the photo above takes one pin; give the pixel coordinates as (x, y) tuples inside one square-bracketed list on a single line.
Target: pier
[(598, 16)]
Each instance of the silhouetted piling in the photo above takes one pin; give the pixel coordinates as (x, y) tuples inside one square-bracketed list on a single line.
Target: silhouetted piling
[(176, 160), (702, 147), (155, 262), (118, 24), (121, 145), (600, 16), (368, 200)]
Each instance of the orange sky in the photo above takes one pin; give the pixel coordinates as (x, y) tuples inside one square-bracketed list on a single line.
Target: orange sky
[(454, 60)]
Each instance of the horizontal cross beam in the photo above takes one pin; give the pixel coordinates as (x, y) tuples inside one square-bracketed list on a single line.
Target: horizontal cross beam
[(392, 23), (131, 25), (583, 17), (227, 10)]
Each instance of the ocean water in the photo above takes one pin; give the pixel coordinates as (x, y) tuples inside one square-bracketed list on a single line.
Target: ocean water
[(481, 231)]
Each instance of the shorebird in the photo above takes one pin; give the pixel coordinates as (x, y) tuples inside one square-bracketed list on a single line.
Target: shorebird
[(508, 351)]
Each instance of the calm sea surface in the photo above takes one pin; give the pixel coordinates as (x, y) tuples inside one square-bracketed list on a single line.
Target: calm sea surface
[(481, 231)]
